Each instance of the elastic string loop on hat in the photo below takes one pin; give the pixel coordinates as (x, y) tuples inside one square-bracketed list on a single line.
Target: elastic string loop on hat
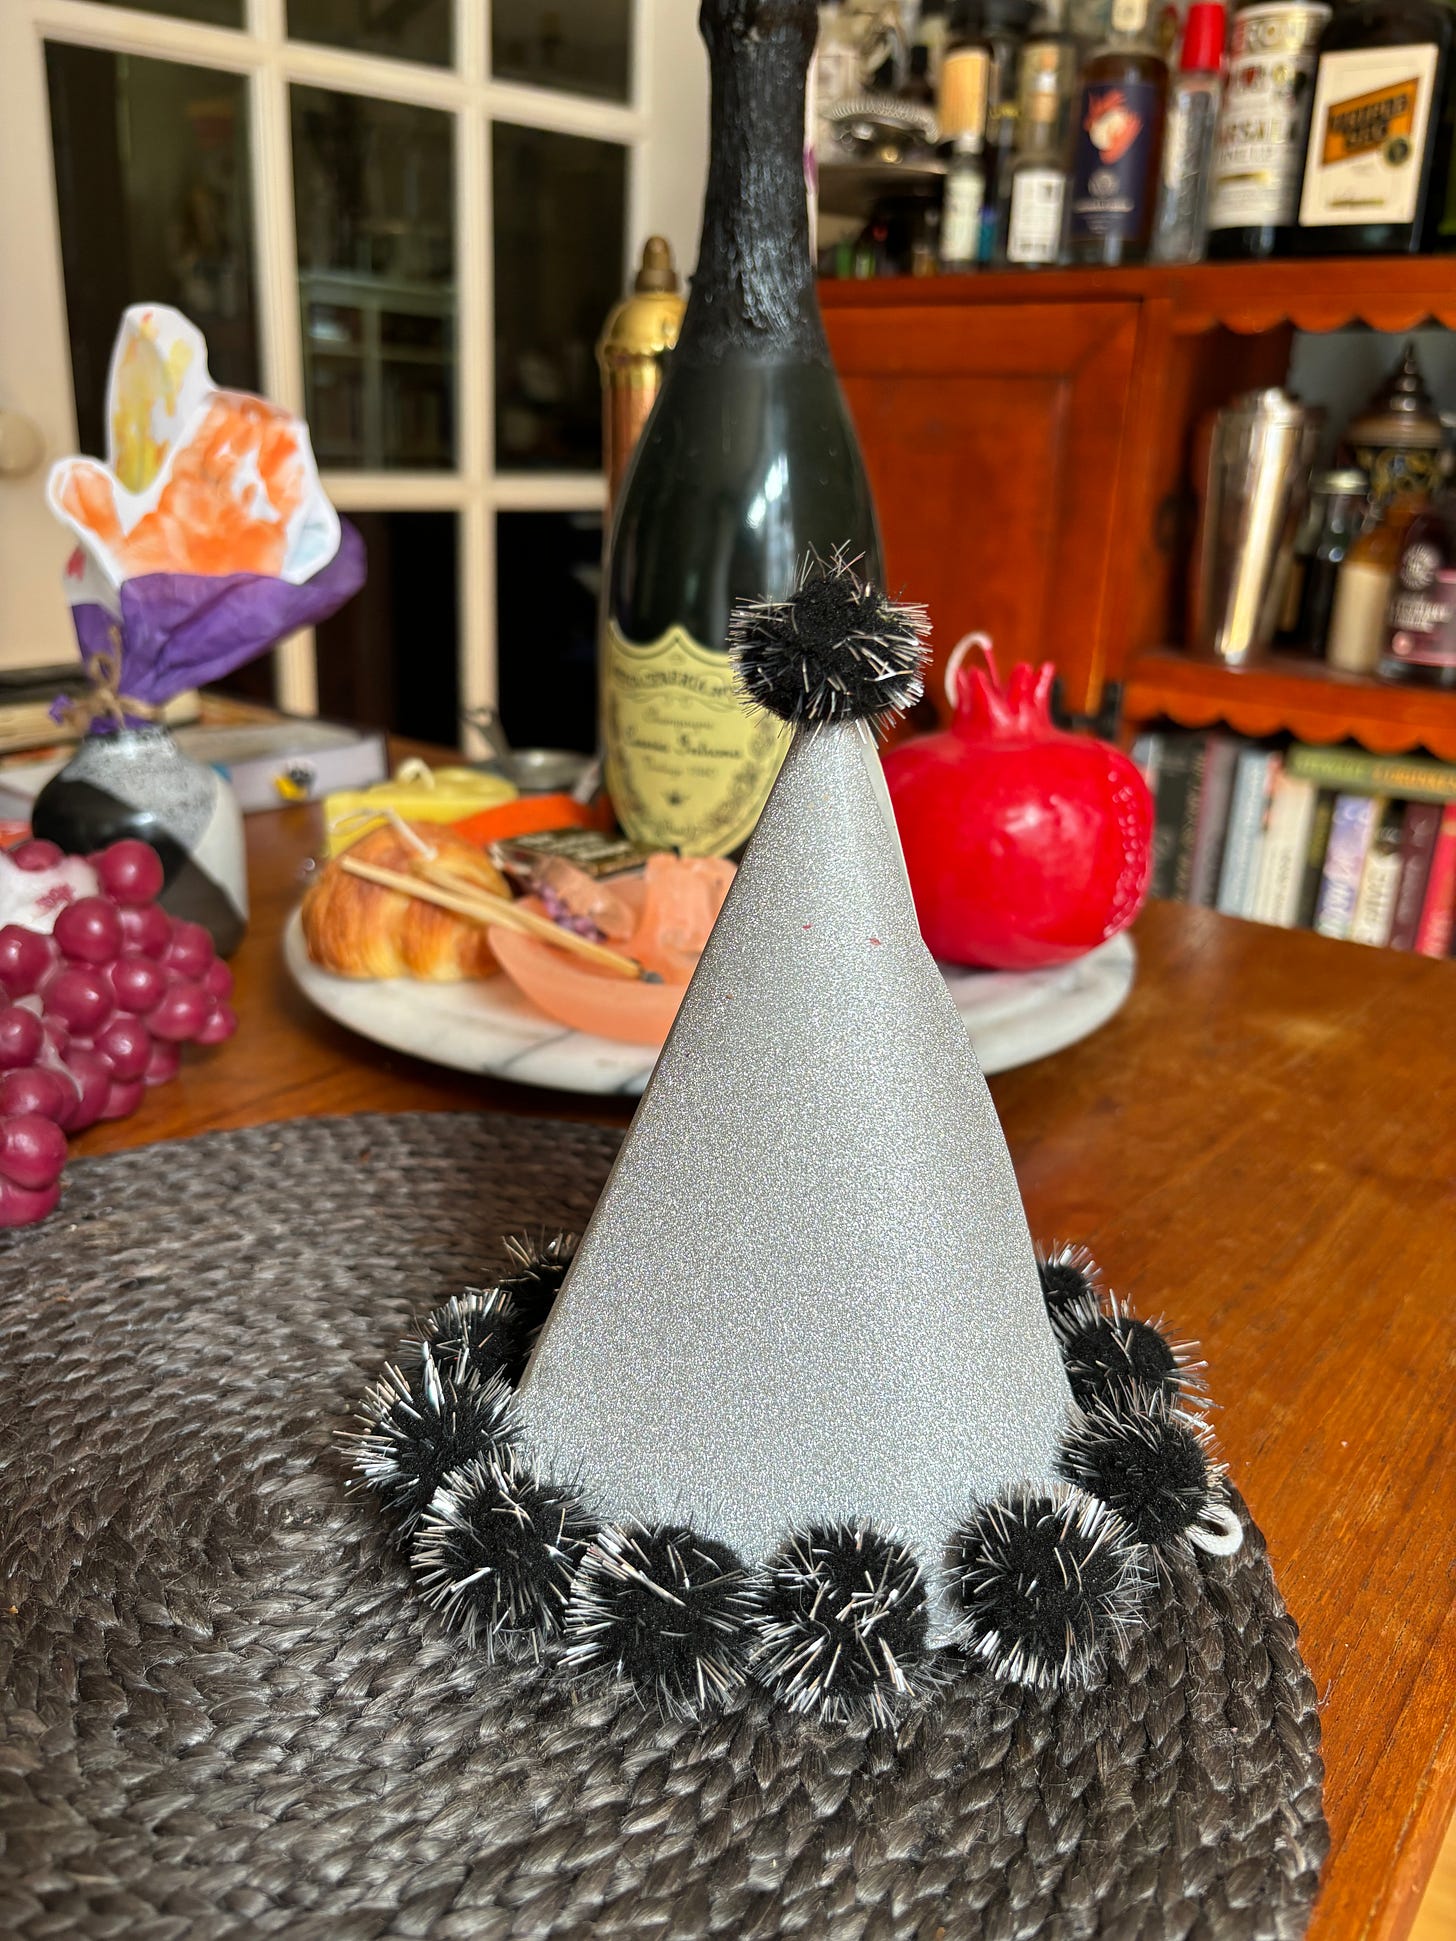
[(1218, 1531)]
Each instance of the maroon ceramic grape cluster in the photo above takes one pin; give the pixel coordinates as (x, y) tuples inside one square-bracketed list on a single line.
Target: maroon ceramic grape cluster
[(93, 1014)]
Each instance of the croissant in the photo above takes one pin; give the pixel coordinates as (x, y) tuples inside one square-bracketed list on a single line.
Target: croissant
[(357, 929)]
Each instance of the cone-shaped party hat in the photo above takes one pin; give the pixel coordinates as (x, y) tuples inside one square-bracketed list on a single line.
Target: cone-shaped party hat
[(805, 1410), (808, 1292)]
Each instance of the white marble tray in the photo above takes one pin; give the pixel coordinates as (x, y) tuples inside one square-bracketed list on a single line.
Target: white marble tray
[(1013, 1018)]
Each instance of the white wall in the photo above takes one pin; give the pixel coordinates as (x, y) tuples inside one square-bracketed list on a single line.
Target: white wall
[(675, 161)]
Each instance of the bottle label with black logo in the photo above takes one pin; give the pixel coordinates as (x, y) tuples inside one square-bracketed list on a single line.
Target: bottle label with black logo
[(1260, 139), (1112, 180), (1367, 135)]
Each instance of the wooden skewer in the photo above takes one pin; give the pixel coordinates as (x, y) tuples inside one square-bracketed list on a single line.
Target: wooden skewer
[(482, 907)]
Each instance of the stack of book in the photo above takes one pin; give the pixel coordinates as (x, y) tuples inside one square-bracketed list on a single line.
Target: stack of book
[(1352, 845)]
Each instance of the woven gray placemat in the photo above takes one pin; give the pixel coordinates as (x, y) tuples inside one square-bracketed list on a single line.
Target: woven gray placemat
[(225, 1714)]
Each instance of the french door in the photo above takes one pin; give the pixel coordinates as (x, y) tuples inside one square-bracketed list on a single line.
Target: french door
[(405, 219)]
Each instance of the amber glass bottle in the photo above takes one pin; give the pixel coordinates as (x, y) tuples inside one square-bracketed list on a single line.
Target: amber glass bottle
[(1118, 131)]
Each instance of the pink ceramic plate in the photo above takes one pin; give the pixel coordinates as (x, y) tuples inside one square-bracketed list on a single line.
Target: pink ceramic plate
[(576, 993)]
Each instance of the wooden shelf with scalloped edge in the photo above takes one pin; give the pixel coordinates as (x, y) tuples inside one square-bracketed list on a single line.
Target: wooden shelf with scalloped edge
[(1318, 293), (1286, 694)]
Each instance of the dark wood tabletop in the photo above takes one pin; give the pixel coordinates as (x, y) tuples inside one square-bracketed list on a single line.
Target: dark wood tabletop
[(1260, 1148)]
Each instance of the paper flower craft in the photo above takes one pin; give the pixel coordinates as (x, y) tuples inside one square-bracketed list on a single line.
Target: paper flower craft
[(204, 538)]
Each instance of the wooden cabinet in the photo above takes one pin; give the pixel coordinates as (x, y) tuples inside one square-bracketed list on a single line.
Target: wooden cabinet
[(1029, 436), (993, 438)]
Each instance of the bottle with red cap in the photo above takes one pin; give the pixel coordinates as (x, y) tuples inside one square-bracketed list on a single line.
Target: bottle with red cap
[(1181, 224)]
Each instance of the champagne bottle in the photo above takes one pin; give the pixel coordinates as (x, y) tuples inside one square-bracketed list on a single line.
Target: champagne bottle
[(747, 463)]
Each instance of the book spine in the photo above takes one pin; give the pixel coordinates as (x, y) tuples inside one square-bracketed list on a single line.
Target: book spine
[(1380, 879), (1314, 858), (1246, 815), (1434, 936), (1351, 827), (1281, 860), (1220, 762), (1273, 769), (1417, 845), (1188, 828), (1355, 773), (1175, 776), (1145, 752)]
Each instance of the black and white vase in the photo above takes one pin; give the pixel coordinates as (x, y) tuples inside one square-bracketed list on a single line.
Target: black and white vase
[(138, 782)]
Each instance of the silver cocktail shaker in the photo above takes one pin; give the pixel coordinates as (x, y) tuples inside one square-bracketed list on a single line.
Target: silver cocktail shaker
[(1255, 482)]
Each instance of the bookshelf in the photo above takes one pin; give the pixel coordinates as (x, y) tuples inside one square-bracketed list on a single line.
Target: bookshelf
[(1305, 698)]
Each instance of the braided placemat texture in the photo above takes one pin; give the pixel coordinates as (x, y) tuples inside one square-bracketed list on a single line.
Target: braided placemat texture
[(225, 1714)]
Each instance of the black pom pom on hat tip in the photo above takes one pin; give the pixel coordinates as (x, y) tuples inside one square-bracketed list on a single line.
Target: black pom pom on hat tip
[(1045, 1584), (835, 650)]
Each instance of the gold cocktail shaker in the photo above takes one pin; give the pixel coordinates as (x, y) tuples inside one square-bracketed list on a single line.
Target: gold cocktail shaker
[(636, 337)]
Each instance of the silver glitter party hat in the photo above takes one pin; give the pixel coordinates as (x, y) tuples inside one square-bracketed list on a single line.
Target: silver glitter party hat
[(808, 1293), (804, 1415)]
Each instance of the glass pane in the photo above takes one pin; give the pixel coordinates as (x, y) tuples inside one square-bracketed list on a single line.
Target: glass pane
[(389, 659), (558, 270), (152, 185), (412, 30), (212, 13), (548, 578), (374, 201), (582, 46)]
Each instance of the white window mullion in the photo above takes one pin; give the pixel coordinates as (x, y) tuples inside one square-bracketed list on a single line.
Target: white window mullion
[(378, 76), (396, 491), (276, 259), (87, 23), (548, 491), (563, 114), (475, 396)]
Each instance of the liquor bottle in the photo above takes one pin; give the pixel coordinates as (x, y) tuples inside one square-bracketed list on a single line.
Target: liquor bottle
[(1119, 141), (1340, 499), (965, 81), (1420, 629), (1004, 24), (1193, 98), (1259, 148), (748, 461), (1366, 579), (960, 211), (1051, 49), (1037, 189), (1378, 152)]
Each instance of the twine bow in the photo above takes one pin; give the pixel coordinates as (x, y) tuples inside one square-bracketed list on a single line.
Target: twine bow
[(105, 702)]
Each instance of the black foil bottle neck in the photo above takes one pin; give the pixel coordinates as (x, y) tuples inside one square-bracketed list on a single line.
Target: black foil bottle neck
[(753, 290)]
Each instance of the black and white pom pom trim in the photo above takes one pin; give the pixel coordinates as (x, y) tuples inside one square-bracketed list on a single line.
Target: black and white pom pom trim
[(496, 1552), (841, 1625), (664, 1610), (835, 650), (1046, 1583), (1040, 1586)]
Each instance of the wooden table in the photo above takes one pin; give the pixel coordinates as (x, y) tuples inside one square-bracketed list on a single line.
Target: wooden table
[(1260, 1147)]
